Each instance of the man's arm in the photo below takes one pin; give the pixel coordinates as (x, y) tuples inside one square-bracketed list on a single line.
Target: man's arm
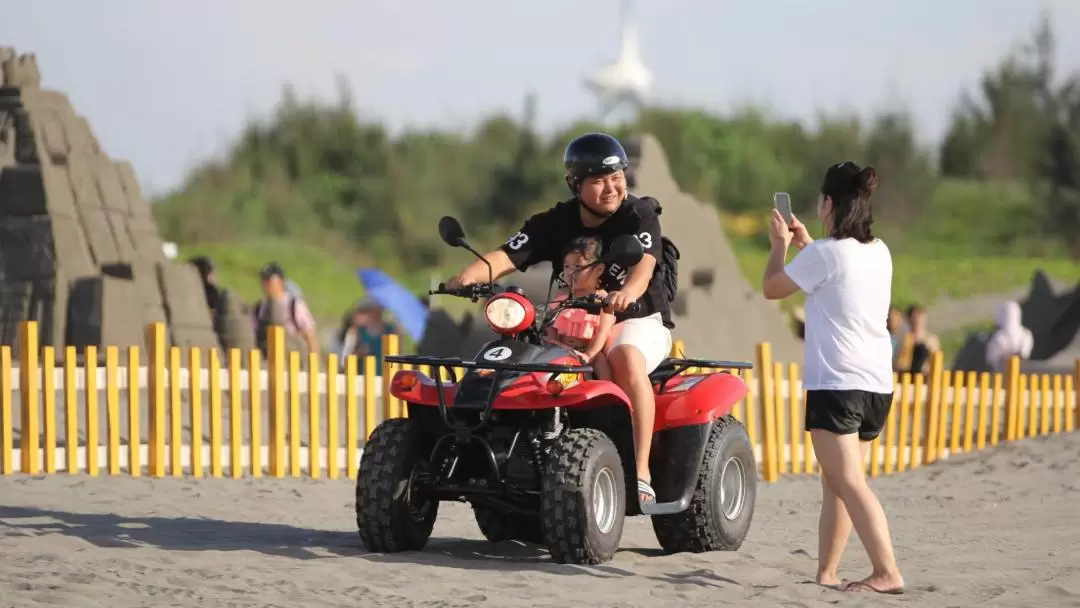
[(526, 247), (477, 271), (649, 234)]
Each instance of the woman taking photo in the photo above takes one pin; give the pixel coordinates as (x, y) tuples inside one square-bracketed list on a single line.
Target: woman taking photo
[(848, 376)]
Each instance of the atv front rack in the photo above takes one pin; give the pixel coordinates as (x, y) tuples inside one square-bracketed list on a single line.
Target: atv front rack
[(450, 363)]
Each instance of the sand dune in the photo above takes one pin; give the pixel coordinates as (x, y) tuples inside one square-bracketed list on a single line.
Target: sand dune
[(988, 529)]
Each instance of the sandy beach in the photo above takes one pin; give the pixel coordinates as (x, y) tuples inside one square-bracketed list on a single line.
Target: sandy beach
[(991, 529)]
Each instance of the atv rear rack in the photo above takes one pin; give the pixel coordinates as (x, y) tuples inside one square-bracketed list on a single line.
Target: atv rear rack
[(673, 367), (499, 368)]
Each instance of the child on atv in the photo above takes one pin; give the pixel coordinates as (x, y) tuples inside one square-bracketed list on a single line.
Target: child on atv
[(575, 328)]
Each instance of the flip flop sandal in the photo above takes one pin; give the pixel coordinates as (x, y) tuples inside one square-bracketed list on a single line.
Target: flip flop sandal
[(861, 586), (643, 487)]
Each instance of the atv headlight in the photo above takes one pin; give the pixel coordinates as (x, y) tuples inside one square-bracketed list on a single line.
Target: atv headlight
[(509, 313)]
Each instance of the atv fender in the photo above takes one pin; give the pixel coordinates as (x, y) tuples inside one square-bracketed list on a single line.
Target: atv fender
[(675, 460), (523, 395), (708, 399)]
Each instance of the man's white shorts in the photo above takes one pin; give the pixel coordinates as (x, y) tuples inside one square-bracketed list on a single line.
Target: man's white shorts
[(646, 334)]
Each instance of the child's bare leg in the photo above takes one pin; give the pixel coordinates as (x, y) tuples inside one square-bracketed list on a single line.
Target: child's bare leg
[(601, 367)]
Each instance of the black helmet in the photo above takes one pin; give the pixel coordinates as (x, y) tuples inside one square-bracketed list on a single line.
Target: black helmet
[(592, 154)]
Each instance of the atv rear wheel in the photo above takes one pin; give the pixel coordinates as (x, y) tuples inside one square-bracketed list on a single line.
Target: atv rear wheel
[(392, 515), (497, 526), (720, 512), (583, 504)]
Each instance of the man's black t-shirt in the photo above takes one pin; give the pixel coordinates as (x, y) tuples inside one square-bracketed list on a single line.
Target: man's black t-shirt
[(545, 236)]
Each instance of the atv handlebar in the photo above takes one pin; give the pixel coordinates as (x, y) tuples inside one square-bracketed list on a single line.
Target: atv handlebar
[(472, 292), (593, 304)]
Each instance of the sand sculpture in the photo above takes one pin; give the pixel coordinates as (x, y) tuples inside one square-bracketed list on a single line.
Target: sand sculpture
[(717, 313), (79, 250)]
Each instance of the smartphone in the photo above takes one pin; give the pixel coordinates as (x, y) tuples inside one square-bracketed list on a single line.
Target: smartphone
[(782, 202)]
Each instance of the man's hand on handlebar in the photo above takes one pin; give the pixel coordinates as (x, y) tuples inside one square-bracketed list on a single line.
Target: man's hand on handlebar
[(456, 282), (619, 301)]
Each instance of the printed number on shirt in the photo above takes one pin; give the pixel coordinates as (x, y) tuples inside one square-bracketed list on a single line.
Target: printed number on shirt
[(645, 239), (518, 241)]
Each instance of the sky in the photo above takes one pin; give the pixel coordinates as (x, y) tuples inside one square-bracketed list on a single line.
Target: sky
[(168, 84)]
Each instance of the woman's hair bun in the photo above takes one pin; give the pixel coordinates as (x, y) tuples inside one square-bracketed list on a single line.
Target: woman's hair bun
[(866, 181)]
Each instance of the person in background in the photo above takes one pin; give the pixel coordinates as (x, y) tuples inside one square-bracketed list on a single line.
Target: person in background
[(848, 376), (924, 343), (1010, 338), (205, 266), (362, 332), (295, 316)]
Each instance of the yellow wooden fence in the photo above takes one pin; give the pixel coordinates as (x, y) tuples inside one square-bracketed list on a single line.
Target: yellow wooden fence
[(209, 413), (933, 416)]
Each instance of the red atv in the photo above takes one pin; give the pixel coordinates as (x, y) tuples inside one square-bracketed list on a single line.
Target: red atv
[(546, 456)]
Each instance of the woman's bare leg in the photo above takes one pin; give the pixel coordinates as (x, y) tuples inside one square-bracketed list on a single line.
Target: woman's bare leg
[(842, 465), (628, 372), (834, 528), (601, 367)]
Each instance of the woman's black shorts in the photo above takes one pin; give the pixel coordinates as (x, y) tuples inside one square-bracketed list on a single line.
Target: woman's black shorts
[(848, 411)]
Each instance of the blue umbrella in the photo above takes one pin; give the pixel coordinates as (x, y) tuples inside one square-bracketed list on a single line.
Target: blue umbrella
[(391, 295)]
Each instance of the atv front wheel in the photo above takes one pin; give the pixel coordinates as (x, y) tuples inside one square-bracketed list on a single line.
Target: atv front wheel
[(497, 526), (719, 514), (392, 514), (583, 504)]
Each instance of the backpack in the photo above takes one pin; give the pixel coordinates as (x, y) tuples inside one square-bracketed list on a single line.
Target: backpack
[(263, 319), (669, 267)]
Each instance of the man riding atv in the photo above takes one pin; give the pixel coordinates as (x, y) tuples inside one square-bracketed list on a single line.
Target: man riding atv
[(595, 166)]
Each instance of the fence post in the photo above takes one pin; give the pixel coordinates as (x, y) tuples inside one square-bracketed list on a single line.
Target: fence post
[(937, 363), (275, 373), (332, 432), (294, 413), (917, 436), (134, 411), (255, 403), (391, 406), (176, 413), (351, 420), (678, 349), (48, 394), (214, 390), (93, 435), (314, 422), (1012, 397), (71, 410), (796, 422), (6, 445), (196, 403), (29, 374), (1073, 422), (768, 403), (236, 414), (112, 408), (155, 345)]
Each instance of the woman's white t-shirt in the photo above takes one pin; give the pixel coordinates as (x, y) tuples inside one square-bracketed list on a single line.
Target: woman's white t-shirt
[(848, 288)]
